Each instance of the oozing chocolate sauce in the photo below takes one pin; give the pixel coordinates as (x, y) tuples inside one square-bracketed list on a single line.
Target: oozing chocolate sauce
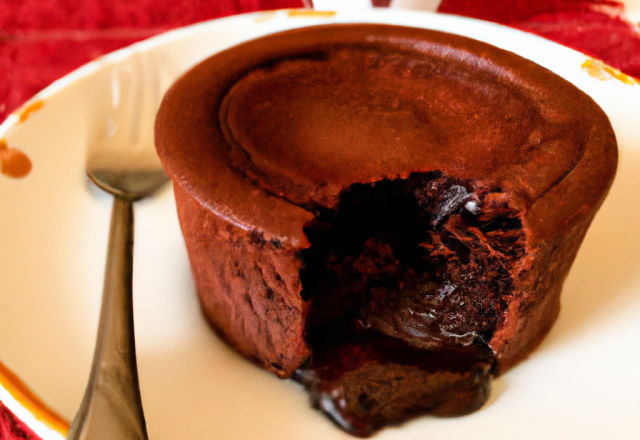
[(408, 280)]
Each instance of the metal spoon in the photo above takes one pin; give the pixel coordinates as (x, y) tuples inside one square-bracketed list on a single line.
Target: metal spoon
[(111, 408)]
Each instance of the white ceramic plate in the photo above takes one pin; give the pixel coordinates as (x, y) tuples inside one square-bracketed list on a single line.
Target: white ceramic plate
[(583, 382)]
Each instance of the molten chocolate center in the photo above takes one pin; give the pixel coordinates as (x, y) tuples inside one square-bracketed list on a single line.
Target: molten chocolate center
[(408, 280)]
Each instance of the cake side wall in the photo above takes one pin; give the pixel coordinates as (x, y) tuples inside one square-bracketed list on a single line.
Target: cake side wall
[(249, 288), (556, 224), (534, 308)]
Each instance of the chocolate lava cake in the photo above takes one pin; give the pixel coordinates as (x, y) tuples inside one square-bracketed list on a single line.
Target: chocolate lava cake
[(385, 214)]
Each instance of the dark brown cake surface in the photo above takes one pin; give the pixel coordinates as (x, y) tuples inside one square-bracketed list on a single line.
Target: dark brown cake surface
[(388, 212), (380, 111)]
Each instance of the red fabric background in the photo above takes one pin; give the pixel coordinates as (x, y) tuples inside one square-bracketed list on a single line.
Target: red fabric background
[(42, 40), (12, 428), (39, 15), (595, 27)]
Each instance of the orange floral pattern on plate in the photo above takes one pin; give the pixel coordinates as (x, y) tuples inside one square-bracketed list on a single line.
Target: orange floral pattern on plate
[(602, 71), (31, 402), (265, 17), (13, 162), (31, 108), (311, 13)]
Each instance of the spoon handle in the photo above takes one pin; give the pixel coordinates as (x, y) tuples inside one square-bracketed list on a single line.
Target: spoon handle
[(111, 407)]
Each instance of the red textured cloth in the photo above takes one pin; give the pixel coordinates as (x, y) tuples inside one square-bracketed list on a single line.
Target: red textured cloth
[(42, 40), (12, 428), (39, 15), (595, 27)]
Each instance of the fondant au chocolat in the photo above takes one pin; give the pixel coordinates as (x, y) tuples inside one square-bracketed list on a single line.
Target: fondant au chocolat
[(387, 214)]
